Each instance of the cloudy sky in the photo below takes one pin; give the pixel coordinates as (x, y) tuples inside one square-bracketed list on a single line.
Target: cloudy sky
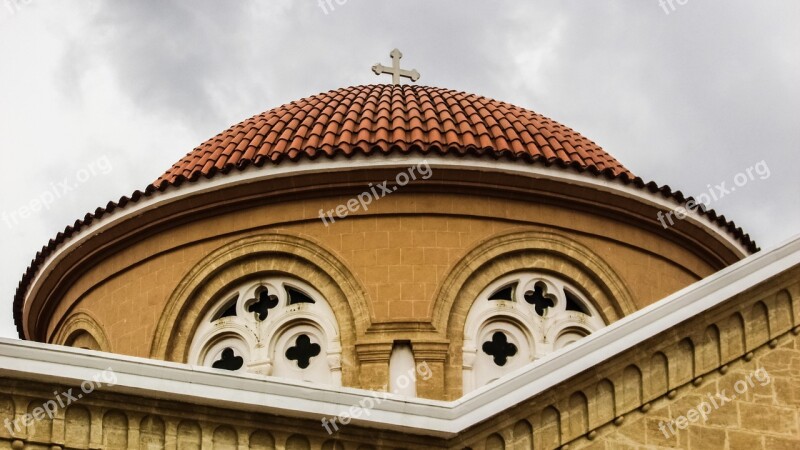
[(105, 96)]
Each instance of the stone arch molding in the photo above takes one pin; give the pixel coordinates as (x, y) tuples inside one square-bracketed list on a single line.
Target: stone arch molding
[(251, 258), (79, 323), (502, 254), (545, 253)]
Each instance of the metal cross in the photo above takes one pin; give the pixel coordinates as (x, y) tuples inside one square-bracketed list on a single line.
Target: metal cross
[(395, 70)]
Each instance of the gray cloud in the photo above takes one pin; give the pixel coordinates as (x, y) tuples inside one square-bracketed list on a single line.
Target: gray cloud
[(689, 99)]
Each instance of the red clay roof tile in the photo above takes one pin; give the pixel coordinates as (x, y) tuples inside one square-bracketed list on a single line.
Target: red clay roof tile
[(353, 119)]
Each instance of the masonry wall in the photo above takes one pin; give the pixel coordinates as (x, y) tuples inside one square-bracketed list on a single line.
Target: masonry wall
[(746, 350), (618, 404), (113, 422), (403, 263), (399, 253)]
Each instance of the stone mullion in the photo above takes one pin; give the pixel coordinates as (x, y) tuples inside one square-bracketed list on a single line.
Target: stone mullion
[(170, 434), (794, 303), (207, 435), (58, 427), (20, 409), (698, 339), (96, 426), (243, 437), (134, 422)]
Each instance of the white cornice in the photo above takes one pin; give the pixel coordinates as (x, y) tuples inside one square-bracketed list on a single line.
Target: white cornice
[(360, 162), (164, 380)]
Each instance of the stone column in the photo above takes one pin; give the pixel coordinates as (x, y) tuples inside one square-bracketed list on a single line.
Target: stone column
[(373, 360), (430, 357)]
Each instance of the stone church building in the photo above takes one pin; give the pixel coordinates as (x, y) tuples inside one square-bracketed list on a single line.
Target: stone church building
[(403, 267)]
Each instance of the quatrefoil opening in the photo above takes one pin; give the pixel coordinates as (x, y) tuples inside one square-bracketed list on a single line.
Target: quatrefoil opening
[(539, 299), (265, 302)]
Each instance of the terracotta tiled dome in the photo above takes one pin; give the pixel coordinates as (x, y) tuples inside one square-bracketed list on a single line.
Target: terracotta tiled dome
[(385, 118), (374, 119)]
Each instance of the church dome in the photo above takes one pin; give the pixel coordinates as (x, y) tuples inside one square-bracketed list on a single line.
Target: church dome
[(377, 119), (508, 183)]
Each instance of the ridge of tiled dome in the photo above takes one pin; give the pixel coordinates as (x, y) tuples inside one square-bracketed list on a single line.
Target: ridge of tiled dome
[(382, 118)]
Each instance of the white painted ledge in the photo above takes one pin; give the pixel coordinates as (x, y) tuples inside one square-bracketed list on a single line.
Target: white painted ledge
[(198, 385)]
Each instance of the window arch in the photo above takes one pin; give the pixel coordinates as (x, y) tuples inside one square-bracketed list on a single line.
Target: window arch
[(83, 339), (277, 326), (520, 318), (81, 330)]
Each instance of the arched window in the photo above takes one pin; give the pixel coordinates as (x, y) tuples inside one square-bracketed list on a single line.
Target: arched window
[(83, 339), (518, 319), (275, 326)]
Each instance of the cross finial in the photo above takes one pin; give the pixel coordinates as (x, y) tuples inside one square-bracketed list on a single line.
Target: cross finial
[(395, 70)]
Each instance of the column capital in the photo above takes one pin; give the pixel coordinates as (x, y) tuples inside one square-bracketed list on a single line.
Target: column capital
[(430, 350)]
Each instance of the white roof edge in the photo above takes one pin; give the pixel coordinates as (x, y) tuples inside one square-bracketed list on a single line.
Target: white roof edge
[(253, 174), (180, 382)]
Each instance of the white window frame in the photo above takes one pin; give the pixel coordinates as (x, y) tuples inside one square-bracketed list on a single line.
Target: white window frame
[(534, 336), (263, 344)]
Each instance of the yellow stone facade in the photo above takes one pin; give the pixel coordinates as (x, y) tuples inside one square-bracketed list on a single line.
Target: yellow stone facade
[(408, 269), (618, 404)]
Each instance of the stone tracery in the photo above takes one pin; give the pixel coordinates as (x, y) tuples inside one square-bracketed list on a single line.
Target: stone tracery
[(520, 318), (273, 326)]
